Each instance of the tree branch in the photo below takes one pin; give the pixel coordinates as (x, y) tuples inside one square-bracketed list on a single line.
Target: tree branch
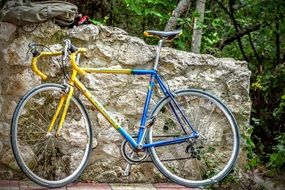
[(235, 37), (254, 50), (231, 3), (238, 35), (181, 8), (223, 7)]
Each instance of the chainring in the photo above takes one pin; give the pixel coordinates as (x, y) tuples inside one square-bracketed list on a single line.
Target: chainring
[(131, 155)]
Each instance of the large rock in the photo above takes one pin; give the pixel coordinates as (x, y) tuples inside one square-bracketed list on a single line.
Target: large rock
[(122, 95)]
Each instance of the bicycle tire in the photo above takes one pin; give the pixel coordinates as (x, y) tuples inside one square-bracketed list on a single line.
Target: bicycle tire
[(49, 160), (194, 163)]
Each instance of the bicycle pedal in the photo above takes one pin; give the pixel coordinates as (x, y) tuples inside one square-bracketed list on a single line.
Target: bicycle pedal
[(127, 170)]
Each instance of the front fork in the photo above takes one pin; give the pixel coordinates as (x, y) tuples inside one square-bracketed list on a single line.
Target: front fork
[(64, 100)]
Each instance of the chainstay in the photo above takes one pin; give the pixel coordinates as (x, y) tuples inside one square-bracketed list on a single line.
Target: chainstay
[(167, 160)]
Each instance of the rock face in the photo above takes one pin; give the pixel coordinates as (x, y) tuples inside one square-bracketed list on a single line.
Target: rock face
[(122, 95)]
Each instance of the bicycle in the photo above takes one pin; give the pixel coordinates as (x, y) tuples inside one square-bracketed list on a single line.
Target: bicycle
[(190, 135)]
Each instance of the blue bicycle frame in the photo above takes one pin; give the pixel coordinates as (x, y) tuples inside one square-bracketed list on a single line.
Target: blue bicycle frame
[(173, 105)]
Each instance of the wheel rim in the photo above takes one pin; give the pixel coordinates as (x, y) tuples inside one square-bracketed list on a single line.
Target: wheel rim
[(48, 159), (203, 163)]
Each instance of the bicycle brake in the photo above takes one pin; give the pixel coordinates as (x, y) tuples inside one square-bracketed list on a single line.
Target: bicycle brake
[(151, 121)]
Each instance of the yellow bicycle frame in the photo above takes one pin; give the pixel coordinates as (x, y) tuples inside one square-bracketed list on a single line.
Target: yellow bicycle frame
[(73, 81)]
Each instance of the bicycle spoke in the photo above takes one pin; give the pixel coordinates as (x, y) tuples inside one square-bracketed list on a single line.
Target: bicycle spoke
[(54, 156), (72, 114), (45, 107), (35, 140), (45, 164), (39, 113), (32, 132), (39, 157), (27, 120)]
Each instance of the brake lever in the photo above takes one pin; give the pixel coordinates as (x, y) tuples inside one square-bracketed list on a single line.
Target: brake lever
[(67, 44)]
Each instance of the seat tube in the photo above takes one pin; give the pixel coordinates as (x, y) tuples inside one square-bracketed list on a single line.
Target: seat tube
[(158, 54), (142, 129)]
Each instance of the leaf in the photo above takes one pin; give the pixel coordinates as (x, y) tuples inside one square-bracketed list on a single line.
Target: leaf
[(151, 12), (95, 22), (217, 22), (181, 44)]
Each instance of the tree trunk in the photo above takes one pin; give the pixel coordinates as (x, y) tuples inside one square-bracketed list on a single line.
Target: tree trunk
[(179, 10), (197, 31)]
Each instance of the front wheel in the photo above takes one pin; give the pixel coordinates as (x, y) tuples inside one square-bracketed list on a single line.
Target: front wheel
[(201, 161), (46, 158)]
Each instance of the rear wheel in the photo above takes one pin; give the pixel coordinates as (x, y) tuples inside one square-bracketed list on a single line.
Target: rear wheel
[(47, 159), (201, 161)]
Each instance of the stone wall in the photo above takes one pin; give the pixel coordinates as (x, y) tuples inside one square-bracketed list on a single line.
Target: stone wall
[(123, 95)]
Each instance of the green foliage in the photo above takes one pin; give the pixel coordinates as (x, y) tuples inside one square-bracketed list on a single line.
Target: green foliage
[(277, 161), (148, 14), (184, 40), (99, 22), (212, 34), (253, 159), (279, 111), (145, 7)]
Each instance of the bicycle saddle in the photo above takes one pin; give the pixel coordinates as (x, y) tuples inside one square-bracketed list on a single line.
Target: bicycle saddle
[(162, 34)]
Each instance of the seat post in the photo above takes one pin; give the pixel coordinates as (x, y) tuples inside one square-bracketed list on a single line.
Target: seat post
[(158, 53)]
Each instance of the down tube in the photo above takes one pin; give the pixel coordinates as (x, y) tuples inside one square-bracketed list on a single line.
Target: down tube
[(104, 112)]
